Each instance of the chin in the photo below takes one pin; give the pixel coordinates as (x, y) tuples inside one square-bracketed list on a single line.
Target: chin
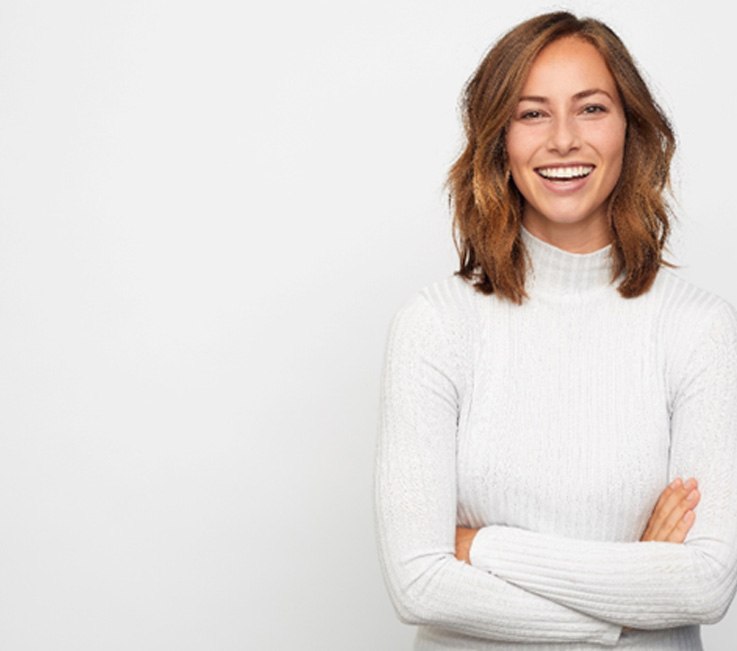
[(560, 220)]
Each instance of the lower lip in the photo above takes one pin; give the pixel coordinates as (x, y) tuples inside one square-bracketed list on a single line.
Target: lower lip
[(565, 187)]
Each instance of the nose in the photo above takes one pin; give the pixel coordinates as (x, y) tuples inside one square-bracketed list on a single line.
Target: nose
[(563, 136)]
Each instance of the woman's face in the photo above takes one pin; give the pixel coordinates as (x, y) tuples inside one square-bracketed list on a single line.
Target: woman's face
[(565, 141)]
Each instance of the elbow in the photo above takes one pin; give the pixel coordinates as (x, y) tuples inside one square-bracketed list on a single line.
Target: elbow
[(409, 605), (700, 596), (409, 612), (406, 607), (411, 595), (717, 598), (414, 610), (713, 590)]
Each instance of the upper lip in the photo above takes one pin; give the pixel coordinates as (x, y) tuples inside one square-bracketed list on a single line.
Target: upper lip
[(571, 164)]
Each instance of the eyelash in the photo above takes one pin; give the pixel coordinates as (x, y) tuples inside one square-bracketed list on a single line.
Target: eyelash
[(599, 109)]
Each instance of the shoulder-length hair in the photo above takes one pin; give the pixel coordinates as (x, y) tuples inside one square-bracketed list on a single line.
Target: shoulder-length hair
[(487, 206)]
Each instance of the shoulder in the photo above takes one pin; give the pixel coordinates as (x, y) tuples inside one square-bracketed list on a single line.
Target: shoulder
[(688, 310), (440, 318), (699, 329), (451, 303)]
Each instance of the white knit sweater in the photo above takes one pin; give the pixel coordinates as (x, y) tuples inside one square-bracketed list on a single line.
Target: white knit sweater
[(554, 426)]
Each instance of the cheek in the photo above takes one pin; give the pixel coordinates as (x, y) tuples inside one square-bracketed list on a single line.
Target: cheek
[(518, 147), (611, 147), (610, 143)]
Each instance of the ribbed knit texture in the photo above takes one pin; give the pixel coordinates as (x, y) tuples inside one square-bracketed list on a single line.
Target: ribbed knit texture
[(554, 426)]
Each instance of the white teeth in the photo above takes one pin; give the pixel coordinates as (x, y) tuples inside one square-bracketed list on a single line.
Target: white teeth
[(566, 172)]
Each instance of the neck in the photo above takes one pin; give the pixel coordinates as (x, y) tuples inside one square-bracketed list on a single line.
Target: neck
[(560, 272), (583, 236)]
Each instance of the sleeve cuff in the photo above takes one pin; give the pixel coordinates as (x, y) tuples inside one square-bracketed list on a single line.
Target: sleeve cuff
[(611, 637)]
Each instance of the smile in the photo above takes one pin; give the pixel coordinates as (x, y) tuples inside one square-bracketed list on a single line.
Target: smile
[(565, 173)]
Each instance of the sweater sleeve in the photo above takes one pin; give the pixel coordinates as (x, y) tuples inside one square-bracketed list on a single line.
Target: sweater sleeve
[(653, 584), (415, 503)]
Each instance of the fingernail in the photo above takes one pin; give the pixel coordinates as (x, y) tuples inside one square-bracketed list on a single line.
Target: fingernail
[(675, 482)]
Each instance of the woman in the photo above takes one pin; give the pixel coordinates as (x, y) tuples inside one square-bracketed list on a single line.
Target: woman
[(538, 403)]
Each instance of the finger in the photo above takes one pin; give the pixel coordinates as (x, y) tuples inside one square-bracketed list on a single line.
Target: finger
[(676, 515), (655, 516), (669, 497), (680, 531), (673, 486), (670, 500), (672, 496)]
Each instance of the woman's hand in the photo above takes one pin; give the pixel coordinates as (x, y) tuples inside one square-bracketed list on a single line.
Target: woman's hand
[(464, 538), (673, 515)]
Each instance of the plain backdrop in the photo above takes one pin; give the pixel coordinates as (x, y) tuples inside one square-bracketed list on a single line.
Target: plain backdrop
[(209, 212)]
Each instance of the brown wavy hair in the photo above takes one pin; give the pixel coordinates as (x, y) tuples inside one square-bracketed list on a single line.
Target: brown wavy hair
[(486, 204)]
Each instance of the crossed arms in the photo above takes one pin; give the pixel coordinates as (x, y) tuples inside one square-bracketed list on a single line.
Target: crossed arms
[(525, 586)]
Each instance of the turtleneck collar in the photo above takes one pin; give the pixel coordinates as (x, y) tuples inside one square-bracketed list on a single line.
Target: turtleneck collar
[(560, 272)]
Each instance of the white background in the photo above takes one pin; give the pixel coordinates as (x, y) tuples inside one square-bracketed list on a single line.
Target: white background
[(208, 215)]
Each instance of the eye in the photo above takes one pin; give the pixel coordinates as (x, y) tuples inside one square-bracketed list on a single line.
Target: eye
[(530, 115), (594, 108)]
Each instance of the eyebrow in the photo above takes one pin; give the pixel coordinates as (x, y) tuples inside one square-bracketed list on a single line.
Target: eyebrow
[(583, 94)]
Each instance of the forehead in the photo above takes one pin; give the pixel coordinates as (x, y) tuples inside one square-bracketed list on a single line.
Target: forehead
[(568, 64)]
